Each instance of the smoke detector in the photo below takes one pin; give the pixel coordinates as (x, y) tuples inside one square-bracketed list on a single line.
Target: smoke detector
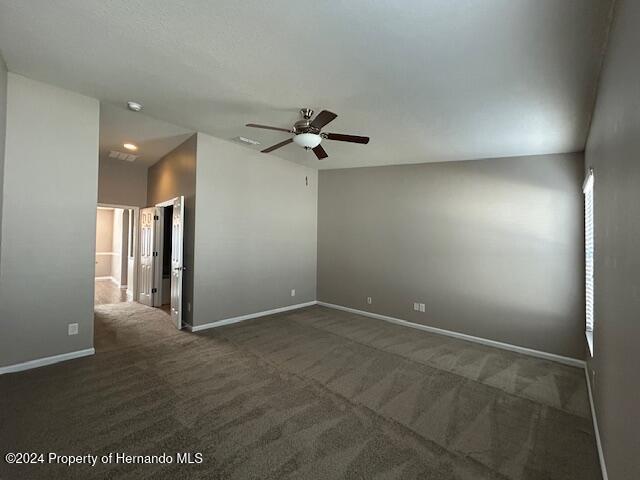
[(134, 106)]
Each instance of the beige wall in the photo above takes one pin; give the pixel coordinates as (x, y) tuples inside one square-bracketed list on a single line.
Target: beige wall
[(122, 183), (3, 122), (256, 221), (174, 175), (493, 248), (50, 185), (613, 150), (104, 242), (103, 265), (111, 244), (104, 230)]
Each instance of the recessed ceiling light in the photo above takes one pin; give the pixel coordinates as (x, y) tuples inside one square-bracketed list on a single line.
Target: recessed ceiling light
[(130, 146), (134, 106)]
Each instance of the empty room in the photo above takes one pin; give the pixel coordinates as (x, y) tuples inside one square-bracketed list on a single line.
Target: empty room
[(320, 240)]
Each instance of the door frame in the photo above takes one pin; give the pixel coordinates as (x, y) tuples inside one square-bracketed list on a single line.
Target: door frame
[(136, 246), (158, 278)]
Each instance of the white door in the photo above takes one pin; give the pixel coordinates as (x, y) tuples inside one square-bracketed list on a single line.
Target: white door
[(145, 282), (158, 242), (177, 261)]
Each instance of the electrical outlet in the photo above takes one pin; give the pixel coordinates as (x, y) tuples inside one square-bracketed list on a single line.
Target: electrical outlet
[(422, 307), (188, 306), (369, 301), (416, 307), (73, 329), (293, 292)]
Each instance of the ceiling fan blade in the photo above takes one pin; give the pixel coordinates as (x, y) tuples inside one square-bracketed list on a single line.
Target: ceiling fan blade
[(324, 117), (267, 127), (346, 138), (277, 145), (320, 153)]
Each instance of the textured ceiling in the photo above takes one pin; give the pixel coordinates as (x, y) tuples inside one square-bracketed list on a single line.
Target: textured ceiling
[(427, 80), (154, 138)]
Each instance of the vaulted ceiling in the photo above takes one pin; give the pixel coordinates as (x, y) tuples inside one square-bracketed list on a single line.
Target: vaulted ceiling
[(154, 138), (430, 80)]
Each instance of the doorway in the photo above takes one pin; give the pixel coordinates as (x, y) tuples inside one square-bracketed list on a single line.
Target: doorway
[(115, 259), (161, 257), (165, 284)]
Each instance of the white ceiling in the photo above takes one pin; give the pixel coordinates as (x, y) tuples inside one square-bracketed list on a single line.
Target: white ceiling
[(154, 138), (428, 80)]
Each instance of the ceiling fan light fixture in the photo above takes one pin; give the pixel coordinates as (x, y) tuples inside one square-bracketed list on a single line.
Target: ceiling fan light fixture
[(307, 140)]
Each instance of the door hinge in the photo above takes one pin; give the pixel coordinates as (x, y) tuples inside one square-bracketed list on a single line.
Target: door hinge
[(154, 290)]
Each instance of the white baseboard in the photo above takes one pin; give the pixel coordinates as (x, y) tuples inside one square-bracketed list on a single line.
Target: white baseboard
[(596, 431), (229, 321), (112, 280), (41, 362), (574, 362)]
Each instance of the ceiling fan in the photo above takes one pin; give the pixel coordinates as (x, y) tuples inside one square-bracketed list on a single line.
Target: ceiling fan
[(307, 133)]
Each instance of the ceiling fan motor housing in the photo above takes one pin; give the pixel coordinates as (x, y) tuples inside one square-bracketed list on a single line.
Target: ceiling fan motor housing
[(304, 126)]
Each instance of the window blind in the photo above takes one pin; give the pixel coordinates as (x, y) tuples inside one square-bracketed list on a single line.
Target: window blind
[(588, 248)]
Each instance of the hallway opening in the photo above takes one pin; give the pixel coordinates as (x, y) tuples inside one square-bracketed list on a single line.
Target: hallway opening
[(115, 260)]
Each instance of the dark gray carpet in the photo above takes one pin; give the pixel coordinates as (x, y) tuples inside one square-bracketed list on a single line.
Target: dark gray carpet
[(310, 394)]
